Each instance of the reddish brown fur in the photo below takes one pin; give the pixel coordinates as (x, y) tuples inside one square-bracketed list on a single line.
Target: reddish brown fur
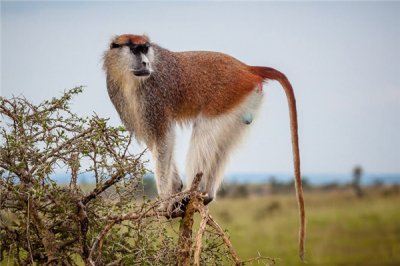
[(273, 74), (218, 83), (131, 38)]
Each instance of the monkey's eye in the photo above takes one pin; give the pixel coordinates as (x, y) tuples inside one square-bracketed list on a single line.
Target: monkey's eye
[(139, 48), (135, 49), (145, 49)]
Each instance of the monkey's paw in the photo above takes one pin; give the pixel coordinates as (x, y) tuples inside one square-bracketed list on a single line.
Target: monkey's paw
[(207, 200), (176, 208)]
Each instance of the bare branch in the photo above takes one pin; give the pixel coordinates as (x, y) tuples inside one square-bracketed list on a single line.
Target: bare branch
[(49, 240), (27, 232), (185, 234), (225, 238), (99, 189), (199, 237), (60, 147)]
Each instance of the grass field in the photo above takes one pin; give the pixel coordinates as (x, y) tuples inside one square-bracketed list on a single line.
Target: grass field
[(341, 229)]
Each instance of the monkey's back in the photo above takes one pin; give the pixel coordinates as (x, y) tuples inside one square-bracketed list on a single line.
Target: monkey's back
[(214, 82)]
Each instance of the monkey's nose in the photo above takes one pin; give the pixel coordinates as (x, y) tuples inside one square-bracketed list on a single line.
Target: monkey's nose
[(145, 64)]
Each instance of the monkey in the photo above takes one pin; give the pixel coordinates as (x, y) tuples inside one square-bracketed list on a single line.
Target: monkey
[(154, 89)]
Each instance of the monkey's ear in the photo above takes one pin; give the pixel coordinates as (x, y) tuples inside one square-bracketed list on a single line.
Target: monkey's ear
[(145, 35), (113, 42), (114, 45)]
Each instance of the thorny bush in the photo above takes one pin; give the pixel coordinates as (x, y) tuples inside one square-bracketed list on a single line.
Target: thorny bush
[(45, 222)]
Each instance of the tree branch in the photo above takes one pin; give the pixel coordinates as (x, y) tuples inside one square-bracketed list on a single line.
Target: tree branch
[(185, 234), (199, 237), (60, 147), (98, 190)]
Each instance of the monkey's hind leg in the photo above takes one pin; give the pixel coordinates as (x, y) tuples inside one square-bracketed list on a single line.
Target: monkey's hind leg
[(212, 142)]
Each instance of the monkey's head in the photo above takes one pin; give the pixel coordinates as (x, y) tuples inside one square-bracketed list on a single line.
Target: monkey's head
[(132, 53)]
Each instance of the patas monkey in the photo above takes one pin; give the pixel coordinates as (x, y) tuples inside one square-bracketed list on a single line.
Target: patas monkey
[(153, 89)]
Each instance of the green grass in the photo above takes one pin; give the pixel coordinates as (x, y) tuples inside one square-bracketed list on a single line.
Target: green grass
[(341, 229)]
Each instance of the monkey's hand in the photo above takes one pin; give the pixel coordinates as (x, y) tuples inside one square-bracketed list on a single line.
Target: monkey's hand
[(174, 207), (178, 207)]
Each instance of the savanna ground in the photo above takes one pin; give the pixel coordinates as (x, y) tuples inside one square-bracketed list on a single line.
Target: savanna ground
[(341, 228)]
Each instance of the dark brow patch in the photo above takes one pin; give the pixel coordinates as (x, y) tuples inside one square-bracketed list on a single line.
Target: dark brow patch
[(143, 48)]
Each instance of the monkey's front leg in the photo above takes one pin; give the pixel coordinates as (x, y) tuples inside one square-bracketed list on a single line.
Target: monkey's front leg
[(167, 177)]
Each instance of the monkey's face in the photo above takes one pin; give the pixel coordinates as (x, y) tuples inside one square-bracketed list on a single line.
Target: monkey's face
[(134, 53)]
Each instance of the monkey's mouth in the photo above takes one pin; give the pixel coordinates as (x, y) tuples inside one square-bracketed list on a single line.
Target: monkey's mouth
[(141, 72)]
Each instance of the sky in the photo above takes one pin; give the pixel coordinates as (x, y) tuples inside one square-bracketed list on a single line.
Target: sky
[(343, 60)]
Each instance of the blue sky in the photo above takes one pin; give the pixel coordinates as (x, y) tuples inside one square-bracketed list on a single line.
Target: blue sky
[(343, 60)]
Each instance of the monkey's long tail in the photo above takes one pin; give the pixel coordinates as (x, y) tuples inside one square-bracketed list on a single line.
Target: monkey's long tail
[(273, 74)]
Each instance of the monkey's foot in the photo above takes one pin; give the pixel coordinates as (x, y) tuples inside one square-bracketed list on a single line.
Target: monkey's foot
[(207, 200)]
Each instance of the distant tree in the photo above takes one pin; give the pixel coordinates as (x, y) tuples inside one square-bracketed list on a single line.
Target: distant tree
[(42, 221), (274, 184), (378, 182), (330, 186), (357, 173), (306, 182), (223, 190), (242, 191), (282, 186)]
